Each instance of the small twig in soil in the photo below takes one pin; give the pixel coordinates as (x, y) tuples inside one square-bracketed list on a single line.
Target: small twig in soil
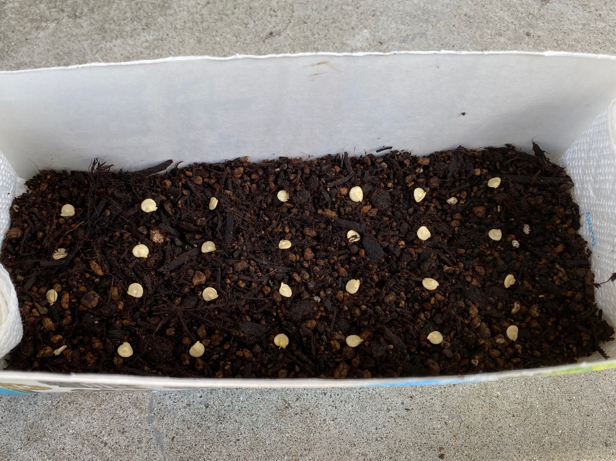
[(611, 279), (155, 169)]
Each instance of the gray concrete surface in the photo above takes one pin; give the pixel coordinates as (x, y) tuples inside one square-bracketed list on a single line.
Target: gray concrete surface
[(569, 417), (64, 32), (566, 417)]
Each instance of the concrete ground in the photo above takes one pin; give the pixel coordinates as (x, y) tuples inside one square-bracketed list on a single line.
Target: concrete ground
[(566, 417)]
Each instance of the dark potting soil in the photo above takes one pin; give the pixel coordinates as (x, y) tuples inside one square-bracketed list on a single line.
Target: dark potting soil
[(551, 302)]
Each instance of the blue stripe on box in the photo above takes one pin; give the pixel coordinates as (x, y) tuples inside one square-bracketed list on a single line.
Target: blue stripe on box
[(10, 392)]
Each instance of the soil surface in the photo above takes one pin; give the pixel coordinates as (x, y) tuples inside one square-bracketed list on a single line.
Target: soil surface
[(551, 301)]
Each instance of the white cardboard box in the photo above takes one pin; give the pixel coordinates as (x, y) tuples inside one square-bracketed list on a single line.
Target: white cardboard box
[(197, 109)]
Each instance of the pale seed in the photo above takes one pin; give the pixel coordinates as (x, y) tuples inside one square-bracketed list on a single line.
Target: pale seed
[(67, 211), (509, 280), (125, 350), (281, 340), (435, 337), (356, 194), (283, 195), (197, 349), (148, 205), (419, 194), (494, 182), (352, 286), (135, 290), (452, 200), (512, 333), (141, 251), (59, 254), (285, 290), (209, 294), (429, 284), (423, 233), (353, 341), (52, 297), (284, 244), (353, 236), (495, 234), (208, 247), (213, 203)]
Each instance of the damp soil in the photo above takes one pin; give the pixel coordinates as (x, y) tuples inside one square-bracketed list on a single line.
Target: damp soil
[(551, 302)]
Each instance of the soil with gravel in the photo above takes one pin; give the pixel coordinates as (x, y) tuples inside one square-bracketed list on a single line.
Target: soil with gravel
[(551, 302)]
